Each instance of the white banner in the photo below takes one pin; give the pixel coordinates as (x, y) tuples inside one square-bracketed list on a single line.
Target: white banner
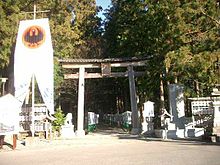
[(34, 56)]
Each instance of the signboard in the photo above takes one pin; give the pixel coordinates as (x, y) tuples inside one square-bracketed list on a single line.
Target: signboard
[(148, 109), (106, 69), (201, 106), (9, 115), (34, 57)]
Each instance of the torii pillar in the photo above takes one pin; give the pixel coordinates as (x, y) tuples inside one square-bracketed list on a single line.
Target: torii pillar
[(134, 116), (80, 113)]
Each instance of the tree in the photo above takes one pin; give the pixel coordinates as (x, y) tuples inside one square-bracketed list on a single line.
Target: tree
[(59, 121), (78, 40), (8, 18), (133, 29), (181, 37), (194, 56)]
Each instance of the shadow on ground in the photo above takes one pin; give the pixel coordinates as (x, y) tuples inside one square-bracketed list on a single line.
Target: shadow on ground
[(121, 134)]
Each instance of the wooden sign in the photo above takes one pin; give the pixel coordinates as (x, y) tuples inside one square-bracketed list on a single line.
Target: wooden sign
[(9, 115), (106, 69)]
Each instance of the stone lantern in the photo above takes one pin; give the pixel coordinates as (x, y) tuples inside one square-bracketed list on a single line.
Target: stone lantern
[(216, 107), (216, 121)]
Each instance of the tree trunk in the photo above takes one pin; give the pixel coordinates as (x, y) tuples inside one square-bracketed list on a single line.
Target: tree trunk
[(161, 93), (196, 88)]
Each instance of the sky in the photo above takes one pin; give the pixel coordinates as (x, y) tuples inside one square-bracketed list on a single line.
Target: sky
[(104, 4)]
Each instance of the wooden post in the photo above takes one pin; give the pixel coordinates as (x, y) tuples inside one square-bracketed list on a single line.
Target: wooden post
[(162, 106), (1, 141), (14, 141), (134, 110), (46, 127), (80, 116)]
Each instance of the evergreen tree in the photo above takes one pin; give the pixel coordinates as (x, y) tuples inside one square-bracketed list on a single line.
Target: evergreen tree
[(181, 37), (72, 37)]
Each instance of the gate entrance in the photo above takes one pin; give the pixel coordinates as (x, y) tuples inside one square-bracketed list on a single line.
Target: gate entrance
[(80, 69)]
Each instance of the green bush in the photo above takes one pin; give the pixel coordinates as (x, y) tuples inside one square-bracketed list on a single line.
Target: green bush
[(59, 121)]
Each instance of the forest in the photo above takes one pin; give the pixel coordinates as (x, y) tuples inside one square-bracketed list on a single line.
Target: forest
[(180, 37)]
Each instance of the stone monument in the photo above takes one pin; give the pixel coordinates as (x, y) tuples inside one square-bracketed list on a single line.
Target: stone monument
[(176, 100), (67, 130), (173, 123), (148, 114)]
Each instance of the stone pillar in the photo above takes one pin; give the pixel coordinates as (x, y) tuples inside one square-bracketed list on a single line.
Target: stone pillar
[(176, 103), (80, 117), (134, 110), (216, 107)]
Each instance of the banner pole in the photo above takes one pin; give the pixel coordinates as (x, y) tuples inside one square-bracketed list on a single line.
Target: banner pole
[(33, 111), (35, 11)]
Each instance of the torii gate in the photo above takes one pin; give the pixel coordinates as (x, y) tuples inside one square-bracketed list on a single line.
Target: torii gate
[(105, 65)]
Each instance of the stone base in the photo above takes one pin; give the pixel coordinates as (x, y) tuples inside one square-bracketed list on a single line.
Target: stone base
[(194, 132), (67, 131), (169, 134), (80, 133), (147, 128), (180, 133), (31, 141), (135, 131)]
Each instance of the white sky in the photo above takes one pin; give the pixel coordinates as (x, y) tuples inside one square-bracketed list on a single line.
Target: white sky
[(103, 3)]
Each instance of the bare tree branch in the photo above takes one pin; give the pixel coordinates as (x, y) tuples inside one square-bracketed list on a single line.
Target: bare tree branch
[(213, 19)]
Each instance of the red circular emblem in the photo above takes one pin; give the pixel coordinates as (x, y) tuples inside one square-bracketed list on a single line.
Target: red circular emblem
[(33, 37)]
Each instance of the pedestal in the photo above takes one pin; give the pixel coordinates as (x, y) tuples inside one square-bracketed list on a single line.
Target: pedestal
[(80, 133), (67, 131), (135, 131), (148, 126)]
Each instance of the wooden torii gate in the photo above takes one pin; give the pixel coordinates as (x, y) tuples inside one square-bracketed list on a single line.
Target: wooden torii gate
[(105, 65)]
